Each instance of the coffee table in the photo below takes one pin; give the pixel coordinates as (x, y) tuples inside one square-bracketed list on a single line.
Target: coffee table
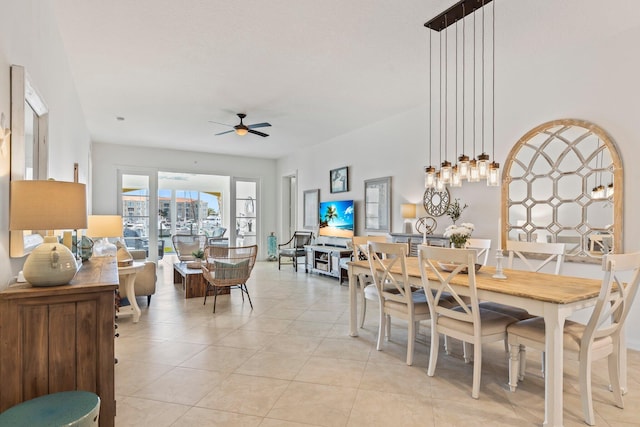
[(193, 283)]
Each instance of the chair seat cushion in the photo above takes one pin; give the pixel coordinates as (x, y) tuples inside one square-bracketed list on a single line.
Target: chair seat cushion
[(491, 322), (515, 312), (533, 329), (291, 252)]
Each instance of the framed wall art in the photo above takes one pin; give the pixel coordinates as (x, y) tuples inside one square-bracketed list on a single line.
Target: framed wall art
[(377, 204), (311, 200), (339, 180)]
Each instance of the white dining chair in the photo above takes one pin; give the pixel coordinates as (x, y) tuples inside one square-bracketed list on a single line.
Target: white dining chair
[(368, 290), (466, 322), (482, 247), (396, 296), (599, 338), (535, 256)]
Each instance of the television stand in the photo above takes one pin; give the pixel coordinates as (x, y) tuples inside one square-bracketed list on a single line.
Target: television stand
[(325, 260)]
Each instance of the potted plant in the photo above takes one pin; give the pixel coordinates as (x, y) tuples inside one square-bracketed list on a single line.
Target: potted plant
[(199, 257), (455, 210)]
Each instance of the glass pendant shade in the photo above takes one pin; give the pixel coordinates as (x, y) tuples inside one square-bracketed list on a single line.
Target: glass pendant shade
[(474, 175), (429, 177), (456, 181), (483, 165), (439, 182), (610, 190), (445, 172), (493, 176), (598, 192), (463, 166)]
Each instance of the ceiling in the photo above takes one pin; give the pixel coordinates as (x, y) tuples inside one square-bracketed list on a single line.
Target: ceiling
[(313, 69)]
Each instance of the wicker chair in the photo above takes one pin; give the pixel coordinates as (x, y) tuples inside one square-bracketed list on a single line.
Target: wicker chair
[(228, 267), (186, 244)]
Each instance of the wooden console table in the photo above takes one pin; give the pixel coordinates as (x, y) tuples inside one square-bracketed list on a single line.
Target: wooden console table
[(60, 338)]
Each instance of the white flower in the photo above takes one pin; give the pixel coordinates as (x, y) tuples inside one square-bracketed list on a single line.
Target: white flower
[(463, 230)]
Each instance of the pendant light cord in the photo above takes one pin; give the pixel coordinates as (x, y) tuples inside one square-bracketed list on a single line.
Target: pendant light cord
[(482, 78)]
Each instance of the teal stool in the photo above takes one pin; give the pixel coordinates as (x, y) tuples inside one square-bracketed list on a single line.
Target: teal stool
[(67, 408)]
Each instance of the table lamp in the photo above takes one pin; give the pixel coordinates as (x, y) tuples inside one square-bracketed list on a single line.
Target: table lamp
[(408, 211), (48, 205), (104, 226)]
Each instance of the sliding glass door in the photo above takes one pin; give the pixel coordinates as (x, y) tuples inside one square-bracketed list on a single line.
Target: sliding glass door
[(245, 211)]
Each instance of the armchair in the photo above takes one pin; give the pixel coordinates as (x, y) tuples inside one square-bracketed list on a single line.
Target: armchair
[(294, 248), (145, 283)]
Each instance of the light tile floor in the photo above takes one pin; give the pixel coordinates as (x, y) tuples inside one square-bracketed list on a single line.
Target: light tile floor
[(290, 362)]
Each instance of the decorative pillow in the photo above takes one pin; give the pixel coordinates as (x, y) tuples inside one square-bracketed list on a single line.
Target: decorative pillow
[(229, 270)]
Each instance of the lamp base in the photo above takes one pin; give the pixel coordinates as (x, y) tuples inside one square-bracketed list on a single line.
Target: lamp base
[(50, 264), (408, 227), (104, 248)]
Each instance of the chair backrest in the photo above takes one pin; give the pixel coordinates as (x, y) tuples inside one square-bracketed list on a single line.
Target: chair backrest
[(554, 252), (456, 262), (384, 261), (218, 232), (572, 243), (359, 245), (482, 248), (228, 266), (186, 244), (615, 299), (298, 241)]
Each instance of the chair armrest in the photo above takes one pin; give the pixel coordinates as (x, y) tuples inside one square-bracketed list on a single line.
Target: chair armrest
[(138, 254)]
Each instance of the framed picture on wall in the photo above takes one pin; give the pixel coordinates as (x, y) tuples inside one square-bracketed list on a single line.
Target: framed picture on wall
[(377, 204), (339, 180), (311, 200)]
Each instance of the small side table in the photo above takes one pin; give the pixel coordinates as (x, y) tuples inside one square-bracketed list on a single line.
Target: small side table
[(127, 280)]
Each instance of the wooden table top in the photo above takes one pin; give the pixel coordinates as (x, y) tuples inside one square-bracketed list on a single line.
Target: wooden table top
[(545, 287)]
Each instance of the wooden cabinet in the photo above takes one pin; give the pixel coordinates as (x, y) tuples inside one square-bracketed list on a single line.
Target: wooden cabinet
[(325, 259), (60, 338)]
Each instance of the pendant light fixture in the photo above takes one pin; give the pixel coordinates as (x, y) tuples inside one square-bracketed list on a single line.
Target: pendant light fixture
[(493, 176), (445, 167), (456, 181), (479, 167), (483, 159), (430, 171), (463, 160)]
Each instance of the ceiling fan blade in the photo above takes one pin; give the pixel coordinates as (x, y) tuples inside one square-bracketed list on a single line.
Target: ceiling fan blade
[(222, 133), (218, 123), (257, 133), (259, 125)]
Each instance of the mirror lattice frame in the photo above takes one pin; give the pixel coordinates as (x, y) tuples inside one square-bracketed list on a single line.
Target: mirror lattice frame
[(556, 130)]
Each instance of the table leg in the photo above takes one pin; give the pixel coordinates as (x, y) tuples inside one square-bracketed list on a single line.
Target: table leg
[(353, 304), (129, 281), (554, 327)]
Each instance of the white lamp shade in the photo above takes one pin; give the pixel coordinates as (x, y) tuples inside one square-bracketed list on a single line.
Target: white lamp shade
[(48, 205)]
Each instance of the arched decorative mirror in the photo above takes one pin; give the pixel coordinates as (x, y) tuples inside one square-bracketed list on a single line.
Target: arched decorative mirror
[(563, 182)]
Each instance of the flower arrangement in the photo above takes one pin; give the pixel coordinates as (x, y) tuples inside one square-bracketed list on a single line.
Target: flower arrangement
[(459, 234), (455, 210)]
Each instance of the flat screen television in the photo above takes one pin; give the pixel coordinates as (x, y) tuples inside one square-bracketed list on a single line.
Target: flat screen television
[(336, 219)]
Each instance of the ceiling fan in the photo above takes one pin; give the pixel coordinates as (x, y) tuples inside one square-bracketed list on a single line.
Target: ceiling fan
[(242, 129)]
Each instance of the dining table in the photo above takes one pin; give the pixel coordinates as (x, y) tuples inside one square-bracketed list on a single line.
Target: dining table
[(553, 297)]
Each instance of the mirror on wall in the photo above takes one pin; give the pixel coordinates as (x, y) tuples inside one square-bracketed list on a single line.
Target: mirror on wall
[(562, 182), (29, 141)]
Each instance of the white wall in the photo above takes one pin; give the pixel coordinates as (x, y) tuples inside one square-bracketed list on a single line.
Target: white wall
[(108, 158), (570, 59), (29, 37)]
